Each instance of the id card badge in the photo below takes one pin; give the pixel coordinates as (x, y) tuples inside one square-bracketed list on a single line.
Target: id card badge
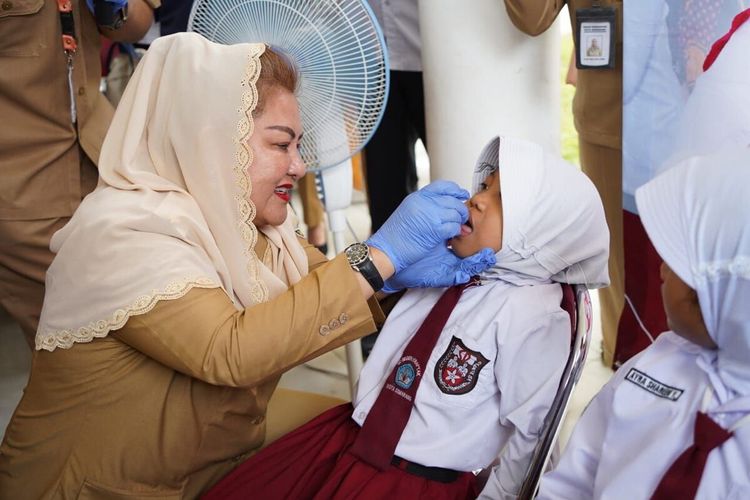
[(596, 32)]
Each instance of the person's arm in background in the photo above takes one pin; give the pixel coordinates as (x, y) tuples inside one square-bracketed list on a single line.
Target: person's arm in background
[(646, 23), (140, 18), (698, 26), (571, 77), (533, 17)]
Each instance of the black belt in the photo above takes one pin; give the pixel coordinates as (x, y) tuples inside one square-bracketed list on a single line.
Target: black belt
[(432, 473)]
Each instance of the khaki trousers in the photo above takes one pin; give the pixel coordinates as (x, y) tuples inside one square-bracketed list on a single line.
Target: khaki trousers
[(25, 257), (603, 165)]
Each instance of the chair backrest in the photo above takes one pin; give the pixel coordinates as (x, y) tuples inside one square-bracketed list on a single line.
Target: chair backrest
[(577, 302)]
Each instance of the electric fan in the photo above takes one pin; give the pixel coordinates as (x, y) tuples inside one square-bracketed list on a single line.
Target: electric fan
[(339, 51)]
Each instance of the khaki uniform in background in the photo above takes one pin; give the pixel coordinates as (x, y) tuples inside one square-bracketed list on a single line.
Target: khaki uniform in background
[(597, 112), (312, 208), (166, 406), (47, 163)]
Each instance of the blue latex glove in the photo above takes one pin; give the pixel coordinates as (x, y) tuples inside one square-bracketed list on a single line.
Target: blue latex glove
[(425, 219), (440, 268), (118, 4)]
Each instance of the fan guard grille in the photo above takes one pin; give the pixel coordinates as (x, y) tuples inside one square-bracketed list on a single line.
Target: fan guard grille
[(339, 51)]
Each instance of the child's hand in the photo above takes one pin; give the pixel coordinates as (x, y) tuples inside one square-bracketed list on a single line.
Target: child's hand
[(440, 268)]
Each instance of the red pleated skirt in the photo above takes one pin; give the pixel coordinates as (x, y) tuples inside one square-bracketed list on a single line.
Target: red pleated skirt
[(313, 462)]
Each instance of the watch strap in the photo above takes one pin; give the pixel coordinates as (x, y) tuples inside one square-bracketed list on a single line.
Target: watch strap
[(371, 274), (364, 266)]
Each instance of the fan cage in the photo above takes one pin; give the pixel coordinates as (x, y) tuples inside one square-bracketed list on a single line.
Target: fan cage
[(337, 47)]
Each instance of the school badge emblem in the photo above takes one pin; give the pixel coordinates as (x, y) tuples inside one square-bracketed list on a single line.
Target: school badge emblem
[(457, 370), (405, 375)]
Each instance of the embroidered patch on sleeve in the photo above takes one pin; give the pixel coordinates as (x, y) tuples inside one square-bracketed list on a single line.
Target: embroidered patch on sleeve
[(457, 370), (653, 386)]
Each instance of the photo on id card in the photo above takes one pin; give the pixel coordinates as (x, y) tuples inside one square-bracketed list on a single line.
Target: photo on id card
[(594, 46)]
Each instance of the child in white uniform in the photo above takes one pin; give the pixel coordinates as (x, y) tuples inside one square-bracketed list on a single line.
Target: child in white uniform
[(496, 364), (634, 440)]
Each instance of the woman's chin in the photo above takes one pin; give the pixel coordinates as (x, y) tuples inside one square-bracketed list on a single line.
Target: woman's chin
[(271, 218), (277, 219)]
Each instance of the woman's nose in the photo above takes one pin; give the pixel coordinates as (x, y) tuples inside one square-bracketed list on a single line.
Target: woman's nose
[(297, 168)]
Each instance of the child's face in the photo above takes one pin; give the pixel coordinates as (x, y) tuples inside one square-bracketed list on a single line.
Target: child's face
[(484, 229), (683, 311)]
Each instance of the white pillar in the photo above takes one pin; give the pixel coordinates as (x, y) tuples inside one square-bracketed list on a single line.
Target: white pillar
[(484, 77)]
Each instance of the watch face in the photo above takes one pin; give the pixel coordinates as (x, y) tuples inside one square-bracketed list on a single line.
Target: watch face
[(357, 253)]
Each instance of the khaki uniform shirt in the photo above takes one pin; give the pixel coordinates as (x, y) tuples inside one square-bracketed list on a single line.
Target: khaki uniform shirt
[(39, 155), (597, 105), (166, 406)]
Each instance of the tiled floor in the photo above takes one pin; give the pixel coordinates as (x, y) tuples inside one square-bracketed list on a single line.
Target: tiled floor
[(325, 375)]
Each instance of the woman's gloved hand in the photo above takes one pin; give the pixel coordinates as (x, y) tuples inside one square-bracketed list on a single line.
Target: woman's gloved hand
[(425, 219), (440, 268)]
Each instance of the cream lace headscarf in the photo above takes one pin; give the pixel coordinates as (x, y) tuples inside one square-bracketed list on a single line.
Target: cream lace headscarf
[(172, 210)]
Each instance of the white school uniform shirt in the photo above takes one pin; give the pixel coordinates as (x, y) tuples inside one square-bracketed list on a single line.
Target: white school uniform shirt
[(523, 335), (643, 419)]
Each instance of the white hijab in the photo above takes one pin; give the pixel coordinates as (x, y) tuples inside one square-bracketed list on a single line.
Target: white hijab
[(698, 217), (172, 210), (553, 220)]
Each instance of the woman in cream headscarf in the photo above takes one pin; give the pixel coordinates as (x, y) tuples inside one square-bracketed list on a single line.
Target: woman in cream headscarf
[(180, 291)]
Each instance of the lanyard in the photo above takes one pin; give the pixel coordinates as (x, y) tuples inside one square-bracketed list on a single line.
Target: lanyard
[(70, 45)]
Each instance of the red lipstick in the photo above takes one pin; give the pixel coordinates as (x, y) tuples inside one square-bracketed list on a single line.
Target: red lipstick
[(284, 191)]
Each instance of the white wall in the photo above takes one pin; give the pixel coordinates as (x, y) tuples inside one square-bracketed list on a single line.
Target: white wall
[(483, 77)]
